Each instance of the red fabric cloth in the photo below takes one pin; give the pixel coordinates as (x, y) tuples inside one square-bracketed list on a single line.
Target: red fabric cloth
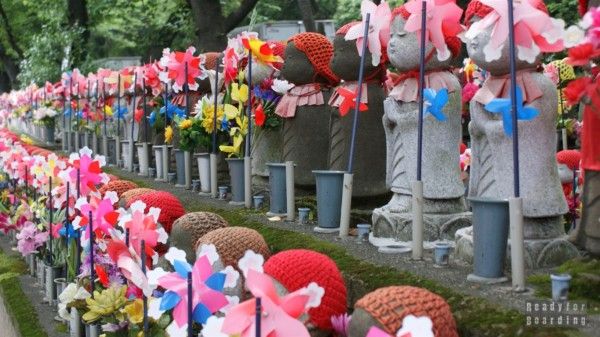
[(499, 87), (296, 268), (171, 208), (590, 139)]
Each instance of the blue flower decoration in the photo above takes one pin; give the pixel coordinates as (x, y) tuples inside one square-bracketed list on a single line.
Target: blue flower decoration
[(68, 112), (172, 110), (504, 106), (68, 229), (225, 124), (436, 102), (119, 112), (152, 118)]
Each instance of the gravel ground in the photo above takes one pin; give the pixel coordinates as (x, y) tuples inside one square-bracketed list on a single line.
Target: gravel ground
[(454, 276)]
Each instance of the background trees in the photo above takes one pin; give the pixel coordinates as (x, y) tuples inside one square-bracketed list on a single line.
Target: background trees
[(41, 38)]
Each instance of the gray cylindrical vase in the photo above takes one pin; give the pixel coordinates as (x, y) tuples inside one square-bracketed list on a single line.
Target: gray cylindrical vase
[(112, 151), (329, 198), (143, 158), (258, 201), (49, 134), (31, 261), (180, 163), (61, 284), (75, 327), (236, 174), (92, 330), (52, 273), (204, 171), (363, 230), (490, 235), (277, 189)]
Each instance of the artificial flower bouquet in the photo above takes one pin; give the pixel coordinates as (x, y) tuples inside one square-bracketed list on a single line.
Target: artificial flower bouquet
[(45, 116), (235, 120), (192, 134)]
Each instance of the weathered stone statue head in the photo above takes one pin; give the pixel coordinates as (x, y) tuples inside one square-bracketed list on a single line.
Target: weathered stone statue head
[(346, 60), (211, 59), (404, 47), (307, 57)]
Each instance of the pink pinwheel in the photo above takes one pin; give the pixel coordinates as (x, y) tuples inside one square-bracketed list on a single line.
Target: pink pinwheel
[(103, 213), (379, 29), (152, 77), (535, 30), (207, 287), (143, 226), (443, 19), (280, 314), (91, 174), (176, 67), (230, 63), (129, 264)]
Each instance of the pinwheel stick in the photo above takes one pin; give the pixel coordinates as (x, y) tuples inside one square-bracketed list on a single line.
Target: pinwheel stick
[(213, 155), (515, 203), (190, 305), (348, 176), (144, 109), (118, 109), (26, 182), (144, 298), (50, 208), (186, 89), (127, 237), (92, 274), (104, 111), (258, 318), (78, 240), (247, 161), (417, 188), (66, 227), (133, 114)]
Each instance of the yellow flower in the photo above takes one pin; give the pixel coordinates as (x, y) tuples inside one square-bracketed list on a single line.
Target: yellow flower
[(239, 93), (186, 123), (135, 311), (105, 303), (26, 140), (208, 113), (108, 110), (168, 134), (231, 112), (234, 149), (263, 55)]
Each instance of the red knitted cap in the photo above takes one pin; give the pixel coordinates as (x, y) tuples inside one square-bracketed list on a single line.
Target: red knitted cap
[(453, 42), (476, 8), (571, 158), (119, 186), (170, 207), (296, 268), (210, 60), (390, 305), (319, 52), (126, 196)]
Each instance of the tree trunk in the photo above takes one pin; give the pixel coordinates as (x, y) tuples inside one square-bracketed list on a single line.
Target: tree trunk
[(211, 30), (306, 10), (11, 68), (9, 33), (4, 82), (78, 17)]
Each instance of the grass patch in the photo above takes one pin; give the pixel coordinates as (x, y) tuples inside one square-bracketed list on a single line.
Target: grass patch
[(17, 304), (585, 282)]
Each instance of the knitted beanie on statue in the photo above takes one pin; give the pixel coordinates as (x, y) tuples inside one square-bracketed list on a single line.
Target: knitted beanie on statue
[(112, 177), (170, 207), (210, 60), (319, 52), (390, 305), (297, 268), (119, 186), (571, 158), (192, 226), (233, 242), (126, 196)]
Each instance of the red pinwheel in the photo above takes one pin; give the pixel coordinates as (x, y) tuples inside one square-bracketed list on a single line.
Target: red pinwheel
[(176, 67), (349, 101)]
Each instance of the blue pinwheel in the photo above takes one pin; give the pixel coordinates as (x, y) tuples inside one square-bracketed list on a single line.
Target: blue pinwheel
[(67, 112), (435, 102), (152, 118), (119, 112), (68, 231), (504, 106), (172, 110)]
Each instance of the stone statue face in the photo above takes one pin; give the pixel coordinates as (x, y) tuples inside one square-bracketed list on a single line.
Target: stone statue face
[(565, 174), (297, 69), (500, 66), (260, 72), (403, 49), (346, 61)]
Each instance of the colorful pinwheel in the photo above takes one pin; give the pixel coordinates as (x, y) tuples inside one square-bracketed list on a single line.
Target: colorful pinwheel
[(504, 106), (379, 29), (103, 213), (178, 61), (443, 19), (91, 174), (143, 226), (349, 101), (207, 296)]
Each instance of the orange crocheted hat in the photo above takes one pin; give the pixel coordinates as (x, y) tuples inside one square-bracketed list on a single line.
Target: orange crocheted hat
[(390, 305), (571, 158), (297, 268), (476, 8), (319, 51), (453, 42), (192, 226), (126, 196), (210, 60), (170, 207), (119, 186), (233, 242)]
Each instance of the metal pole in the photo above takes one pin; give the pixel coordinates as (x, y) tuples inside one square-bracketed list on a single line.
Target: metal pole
[(247, 154), (214, 152)]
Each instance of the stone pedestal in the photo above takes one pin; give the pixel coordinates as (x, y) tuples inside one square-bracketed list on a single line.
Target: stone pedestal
[(539, 253)]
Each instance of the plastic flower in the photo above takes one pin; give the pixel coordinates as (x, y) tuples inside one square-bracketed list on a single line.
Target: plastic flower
[(261, 50), (177, 72), (281, 86), (239, 93), (259, 115), (30, 239), (185, 124), (576, 89), (168, 134), (135, 311), (72, 293), (340, 324), (379, 29), (573, 36), (105, 303)]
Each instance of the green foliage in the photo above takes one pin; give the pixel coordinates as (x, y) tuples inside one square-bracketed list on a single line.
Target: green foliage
[(191, 134), (564, 9), (349, 10)]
